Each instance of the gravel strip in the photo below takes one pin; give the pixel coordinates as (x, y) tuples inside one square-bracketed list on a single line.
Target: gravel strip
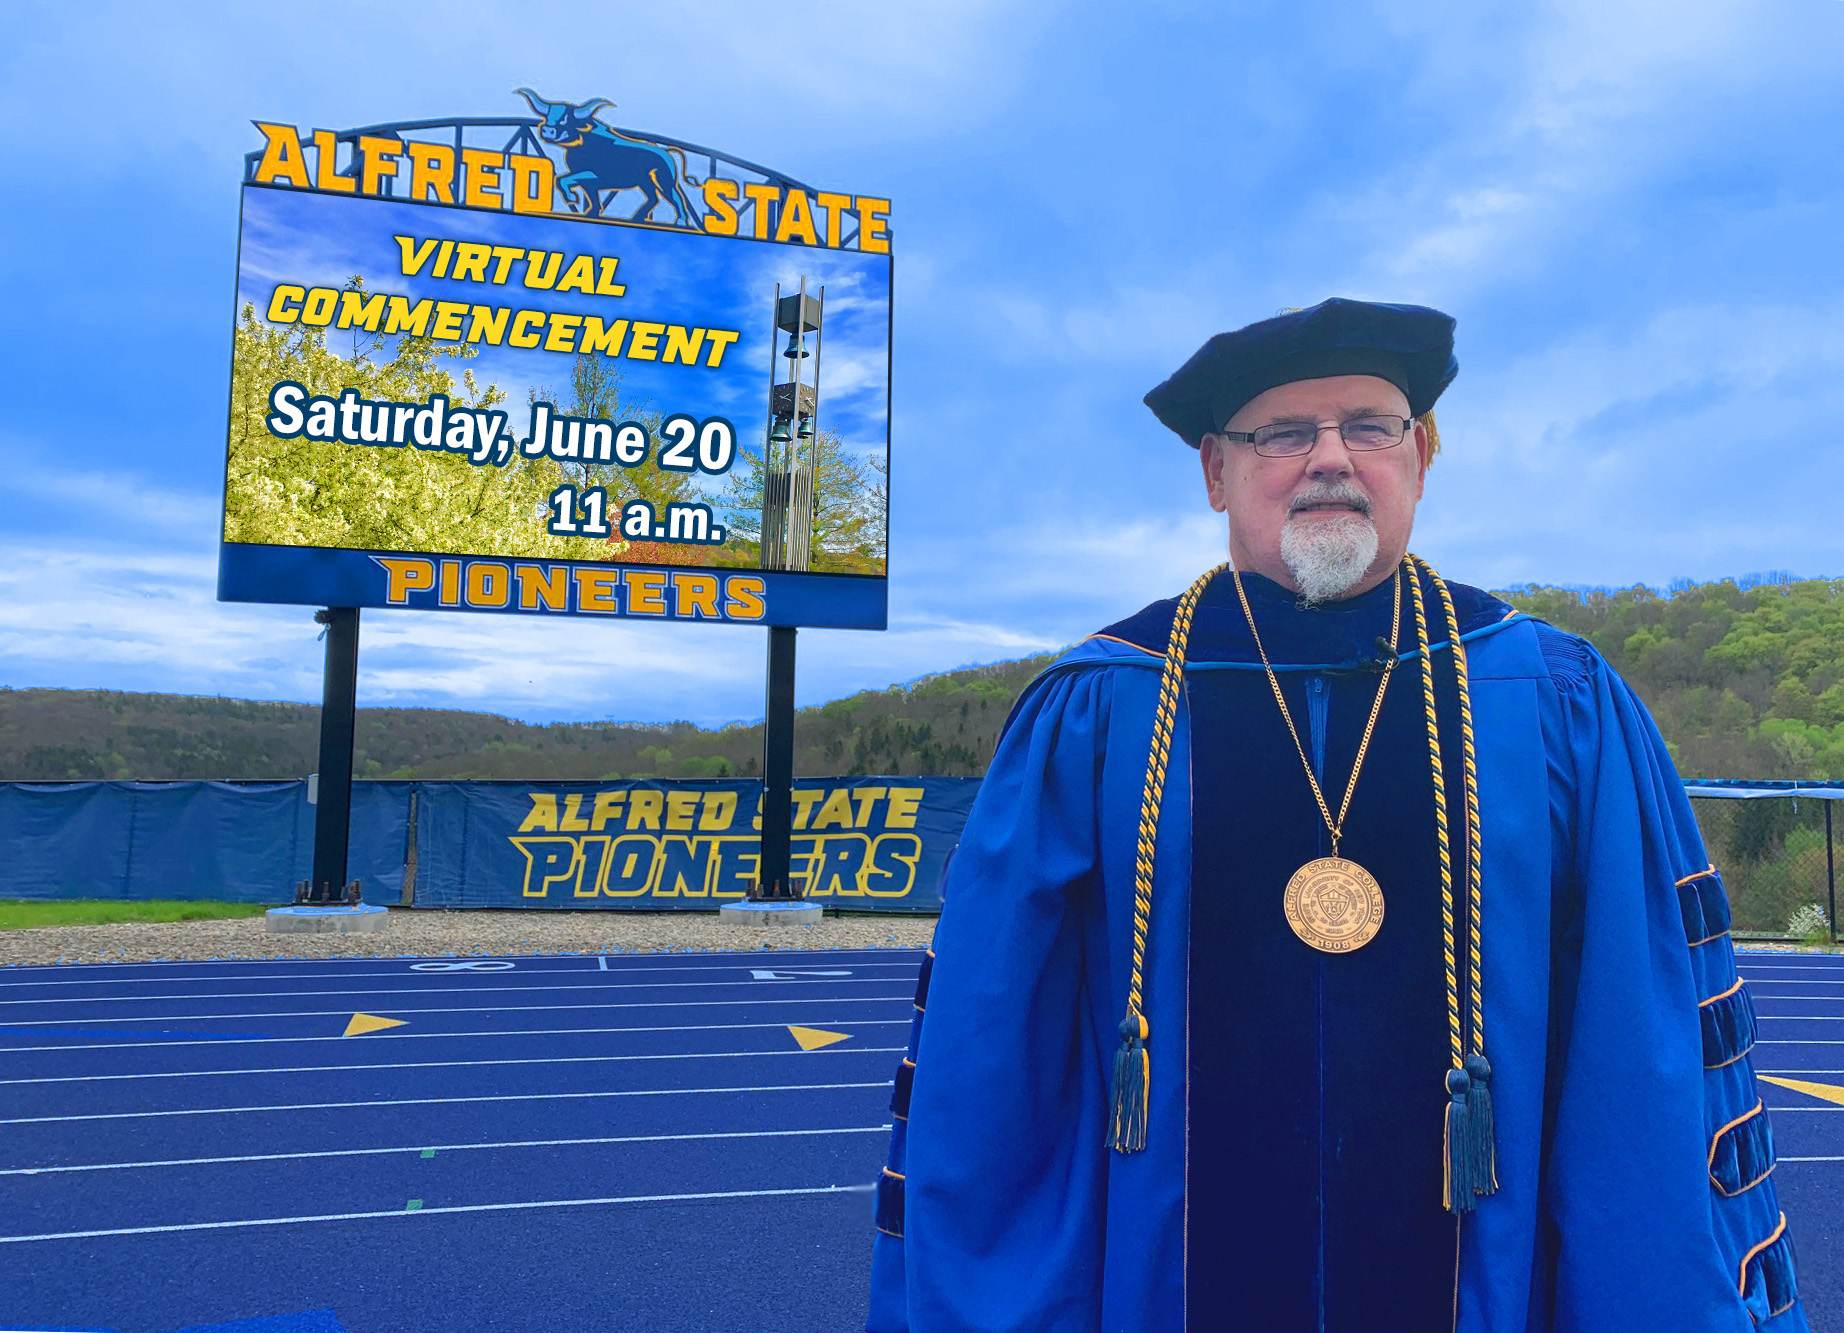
[(474, 933), (443, 934)]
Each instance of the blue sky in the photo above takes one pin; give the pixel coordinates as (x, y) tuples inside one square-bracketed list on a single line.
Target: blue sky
[(1634, 210)]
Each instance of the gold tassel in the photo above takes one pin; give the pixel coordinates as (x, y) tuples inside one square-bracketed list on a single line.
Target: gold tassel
[(1132, 1093)]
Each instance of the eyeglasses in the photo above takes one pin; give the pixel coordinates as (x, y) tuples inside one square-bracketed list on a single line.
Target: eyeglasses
[(1288, 439)]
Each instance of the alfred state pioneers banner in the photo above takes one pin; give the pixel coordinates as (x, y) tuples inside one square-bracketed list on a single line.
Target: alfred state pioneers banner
[(866, 844)]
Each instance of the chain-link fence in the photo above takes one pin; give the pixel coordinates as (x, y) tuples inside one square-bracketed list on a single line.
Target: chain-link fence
[(1777, 855)]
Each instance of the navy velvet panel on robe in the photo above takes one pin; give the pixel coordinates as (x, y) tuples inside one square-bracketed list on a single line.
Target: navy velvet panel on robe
[(1316, 1080)]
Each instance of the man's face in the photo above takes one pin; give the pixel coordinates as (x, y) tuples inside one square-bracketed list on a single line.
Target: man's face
[(1332, 522)]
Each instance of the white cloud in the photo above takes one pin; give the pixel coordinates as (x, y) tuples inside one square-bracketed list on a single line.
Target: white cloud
[(1695, 445), (1473, 228), (94, 615), (1591, 62), (91, 615), (125, 500), (1594, 106)]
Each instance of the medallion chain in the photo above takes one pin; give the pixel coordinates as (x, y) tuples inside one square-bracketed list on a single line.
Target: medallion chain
[(1334, 826)]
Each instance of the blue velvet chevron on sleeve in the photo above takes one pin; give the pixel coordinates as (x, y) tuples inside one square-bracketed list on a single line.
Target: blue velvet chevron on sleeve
[(1659, 1184), (888, 1297)]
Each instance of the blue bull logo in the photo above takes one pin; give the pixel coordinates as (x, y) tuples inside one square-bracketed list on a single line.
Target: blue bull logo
[(601, 162)]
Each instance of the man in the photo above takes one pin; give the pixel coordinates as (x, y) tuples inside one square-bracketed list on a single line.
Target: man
[(1332, 948)]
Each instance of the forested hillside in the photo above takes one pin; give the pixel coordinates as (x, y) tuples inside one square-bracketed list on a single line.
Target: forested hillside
[(944, 725), (1746, 679)]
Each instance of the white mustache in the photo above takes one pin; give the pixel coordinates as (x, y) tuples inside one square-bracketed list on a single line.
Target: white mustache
[(1331, 493)]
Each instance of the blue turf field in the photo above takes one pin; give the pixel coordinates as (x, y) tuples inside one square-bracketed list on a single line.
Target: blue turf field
[(541, 1143)]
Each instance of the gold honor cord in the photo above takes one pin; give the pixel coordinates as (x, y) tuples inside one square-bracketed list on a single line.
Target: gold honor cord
[(1469, 1157), (1470, 764), (1455, 1039), (1332, 903), (1132, 1063), (1470, 1169)]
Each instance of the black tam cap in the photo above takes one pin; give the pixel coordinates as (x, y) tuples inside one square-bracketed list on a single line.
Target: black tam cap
[(1411, 346)]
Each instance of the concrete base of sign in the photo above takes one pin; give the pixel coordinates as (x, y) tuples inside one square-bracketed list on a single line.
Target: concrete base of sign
[(757, 915), (314, 920)]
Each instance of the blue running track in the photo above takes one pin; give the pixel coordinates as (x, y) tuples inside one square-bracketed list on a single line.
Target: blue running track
[(1799, 1000), (562, 1143), (650, 1142)]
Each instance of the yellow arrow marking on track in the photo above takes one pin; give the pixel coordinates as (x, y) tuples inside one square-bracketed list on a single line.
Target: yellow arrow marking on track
[(363, 1023), (1827, 1091), (811, 1039)]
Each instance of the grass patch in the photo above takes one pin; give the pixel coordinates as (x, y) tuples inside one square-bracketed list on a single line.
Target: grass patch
[(23, 914)]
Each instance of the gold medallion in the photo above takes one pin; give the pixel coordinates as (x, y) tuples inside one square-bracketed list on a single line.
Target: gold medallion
[(1334, 905)]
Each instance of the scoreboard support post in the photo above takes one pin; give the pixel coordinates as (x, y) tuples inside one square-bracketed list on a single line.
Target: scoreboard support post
[(774, 879), (338, 723)]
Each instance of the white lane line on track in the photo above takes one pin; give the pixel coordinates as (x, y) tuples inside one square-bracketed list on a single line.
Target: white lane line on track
[(908, 998), (1801, 1018), (1787, 958), (443, 1101), (878, 958), (1782, 1110), (154, 1043), (1784, 1160), (447, 1147), (454, 1208), (484, 988), (455, 1064)]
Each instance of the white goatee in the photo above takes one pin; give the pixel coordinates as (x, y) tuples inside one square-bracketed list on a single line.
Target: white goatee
[(1329, 557)]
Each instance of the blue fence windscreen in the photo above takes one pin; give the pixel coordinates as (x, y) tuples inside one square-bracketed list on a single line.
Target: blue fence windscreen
[(865, 843)]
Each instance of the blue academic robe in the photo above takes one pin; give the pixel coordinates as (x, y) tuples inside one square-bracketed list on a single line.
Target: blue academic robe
[(1291, 1175)]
